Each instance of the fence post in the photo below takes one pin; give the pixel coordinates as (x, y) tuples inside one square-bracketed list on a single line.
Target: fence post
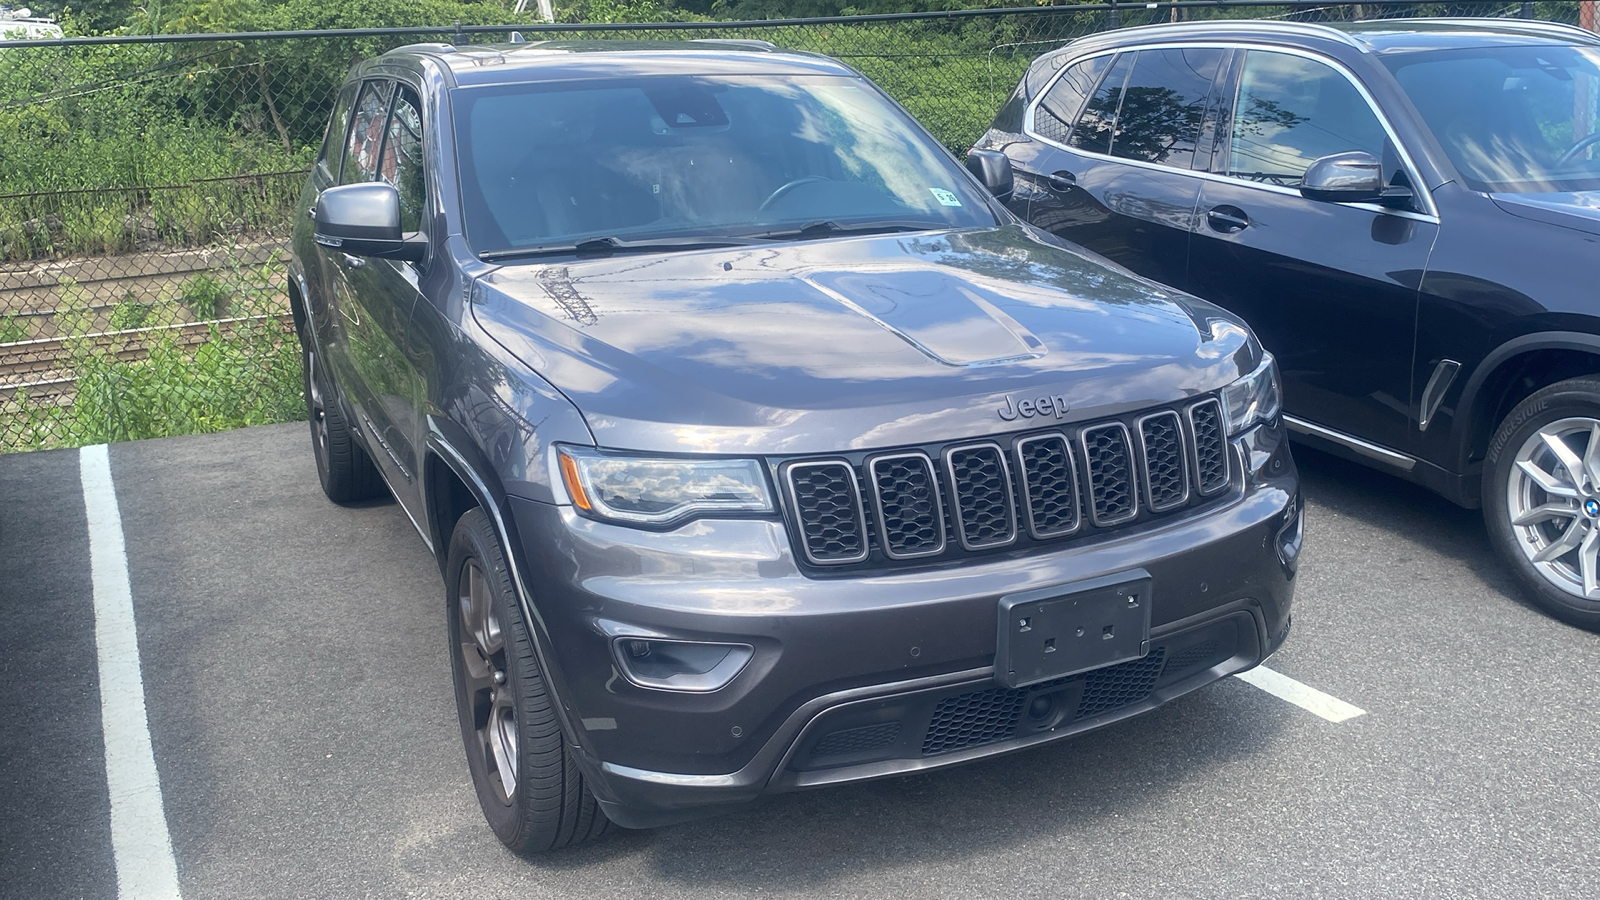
[(1116, 17)]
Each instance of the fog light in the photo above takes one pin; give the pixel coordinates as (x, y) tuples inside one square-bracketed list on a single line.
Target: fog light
[(680, 665)]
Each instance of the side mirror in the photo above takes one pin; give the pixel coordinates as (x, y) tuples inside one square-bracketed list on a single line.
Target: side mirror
[(993, 168), (364, 220), (1354, 176)]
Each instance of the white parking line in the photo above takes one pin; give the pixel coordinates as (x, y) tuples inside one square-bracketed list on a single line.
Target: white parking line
[(140, 844), (1307, 698)]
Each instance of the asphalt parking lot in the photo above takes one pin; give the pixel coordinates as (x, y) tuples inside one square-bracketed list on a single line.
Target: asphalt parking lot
[(301, 720)]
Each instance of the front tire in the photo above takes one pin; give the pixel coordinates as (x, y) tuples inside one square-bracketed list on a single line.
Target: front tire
[(1541, 498), (527, 780)]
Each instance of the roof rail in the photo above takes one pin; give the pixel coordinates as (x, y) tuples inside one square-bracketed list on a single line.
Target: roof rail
[(1262, 25), (1561, 29), (745, 42), (427, 47)]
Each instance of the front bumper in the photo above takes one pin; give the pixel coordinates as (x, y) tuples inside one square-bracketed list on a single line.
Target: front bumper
[(863, 677)]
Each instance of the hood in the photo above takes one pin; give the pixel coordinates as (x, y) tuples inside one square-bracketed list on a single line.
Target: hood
[(1579, 210), (850, 343)]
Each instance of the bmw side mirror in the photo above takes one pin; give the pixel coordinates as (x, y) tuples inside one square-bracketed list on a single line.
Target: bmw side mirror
[(993, 168), (1354, 176), (364, 220)]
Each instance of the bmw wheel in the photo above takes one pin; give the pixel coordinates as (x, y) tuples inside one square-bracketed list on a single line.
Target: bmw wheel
[(1541, 498)]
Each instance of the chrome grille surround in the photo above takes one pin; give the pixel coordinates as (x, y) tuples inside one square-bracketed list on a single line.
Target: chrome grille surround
[(1211, 451), (1165, 457), (1108, 464), (1044, 499), (979, 523), (814, 537), (889, 501)]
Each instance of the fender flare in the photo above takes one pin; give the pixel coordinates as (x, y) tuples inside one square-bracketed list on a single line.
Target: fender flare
[(1461, 430), (467, 464)]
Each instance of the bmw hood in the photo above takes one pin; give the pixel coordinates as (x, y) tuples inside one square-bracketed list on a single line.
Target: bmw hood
[(848, 343)]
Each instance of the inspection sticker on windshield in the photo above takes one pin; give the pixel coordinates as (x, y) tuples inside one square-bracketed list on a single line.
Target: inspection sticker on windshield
[(945, 197)]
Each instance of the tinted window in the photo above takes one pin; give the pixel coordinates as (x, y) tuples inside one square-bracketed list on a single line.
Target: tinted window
[(402, 157), (366, 134), (1290, 111), (1053, 118), (548, 164), (1512, 119), (1093, 131), (1163, 104), (338, 127)]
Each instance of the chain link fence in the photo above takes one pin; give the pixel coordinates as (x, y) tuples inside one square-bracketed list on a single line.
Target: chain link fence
[(147, 186)]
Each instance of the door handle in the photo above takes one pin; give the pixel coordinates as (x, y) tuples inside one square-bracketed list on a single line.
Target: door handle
[(1227, 219), (1061, 181), (353, 262)]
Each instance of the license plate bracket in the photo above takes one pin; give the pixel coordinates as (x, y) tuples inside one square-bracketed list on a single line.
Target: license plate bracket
[(1063, 630)]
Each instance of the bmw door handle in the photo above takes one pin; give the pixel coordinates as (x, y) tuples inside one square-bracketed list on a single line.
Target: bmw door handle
[(1061, 181), (1227, 219), (353, 262)]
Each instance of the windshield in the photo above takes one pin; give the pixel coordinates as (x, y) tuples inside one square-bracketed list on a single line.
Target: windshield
[(1512, 119), (673, 157)]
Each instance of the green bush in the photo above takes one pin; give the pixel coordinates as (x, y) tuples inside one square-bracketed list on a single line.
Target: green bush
[(205, 294), (12, 328)]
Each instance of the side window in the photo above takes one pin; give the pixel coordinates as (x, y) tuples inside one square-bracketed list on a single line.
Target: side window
[(366, 134), (1093, 130), (401, 165), (338, 126), (1290, 111), (1163, 104), (1053, 118)]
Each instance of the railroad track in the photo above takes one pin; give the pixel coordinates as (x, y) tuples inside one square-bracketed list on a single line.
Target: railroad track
[(44, 366)]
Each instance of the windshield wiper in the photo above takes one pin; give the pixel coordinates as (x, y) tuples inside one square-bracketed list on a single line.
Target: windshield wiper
[(606, 246), (829, 228)]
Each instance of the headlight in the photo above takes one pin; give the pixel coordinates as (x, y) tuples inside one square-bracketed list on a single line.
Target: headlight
[(1253, 399), (641, 490)]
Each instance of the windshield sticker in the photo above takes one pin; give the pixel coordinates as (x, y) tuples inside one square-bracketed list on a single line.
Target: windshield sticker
[(945, 197)]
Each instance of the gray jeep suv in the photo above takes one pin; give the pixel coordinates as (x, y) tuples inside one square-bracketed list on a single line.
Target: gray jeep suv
[(759, 446)]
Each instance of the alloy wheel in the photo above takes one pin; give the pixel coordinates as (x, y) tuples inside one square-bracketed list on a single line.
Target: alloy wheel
[(1553, 500), (483, 657), (316, 407)]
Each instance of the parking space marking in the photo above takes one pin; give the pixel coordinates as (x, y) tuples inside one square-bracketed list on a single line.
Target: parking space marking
[(140, 843), (1307, 698)]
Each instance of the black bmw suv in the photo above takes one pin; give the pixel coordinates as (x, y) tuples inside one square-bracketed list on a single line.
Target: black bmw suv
[(1408, 214), (759, 446)]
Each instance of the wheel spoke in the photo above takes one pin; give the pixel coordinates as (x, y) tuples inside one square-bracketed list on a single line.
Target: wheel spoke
[(1564, 453), (479, 671), (502, 739), (1546, 481), (1587, 554), (1591, 456), (1569, 541), (1546, 511)]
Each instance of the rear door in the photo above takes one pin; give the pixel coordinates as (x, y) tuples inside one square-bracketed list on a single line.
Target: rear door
[(1119, 178), (1330, 288), (374, 296)]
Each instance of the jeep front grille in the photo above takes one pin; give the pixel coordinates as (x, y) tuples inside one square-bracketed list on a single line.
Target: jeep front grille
[(972, 496), (829, 505)]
